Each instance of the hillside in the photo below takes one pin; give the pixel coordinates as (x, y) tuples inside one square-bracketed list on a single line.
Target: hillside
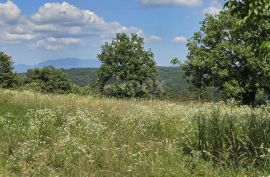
[(65, 63), (171, 78)]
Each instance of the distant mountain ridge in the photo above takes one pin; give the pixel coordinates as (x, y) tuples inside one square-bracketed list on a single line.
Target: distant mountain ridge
[(66, 63)]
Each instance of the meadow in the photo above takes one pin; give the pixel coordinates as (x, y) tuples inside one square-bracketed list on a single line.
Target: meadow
[(71, 135)]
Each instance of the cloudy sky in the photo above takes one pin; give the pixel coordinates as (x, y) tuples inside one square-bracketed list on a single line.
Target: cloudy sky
[(36, 30)]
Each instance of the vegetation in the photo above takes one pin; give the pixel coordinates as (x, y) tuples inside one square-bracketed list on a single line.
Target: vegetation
[(83, 76), (254, 21), (48, 80), (8, 78), (72, 135), (170, 79), (231, 51), (127, 70), (219, 57), (69, 135)]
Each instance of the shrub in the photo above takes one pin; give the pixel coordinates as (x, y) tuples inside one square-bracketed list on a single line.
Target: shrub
[(49, 80)]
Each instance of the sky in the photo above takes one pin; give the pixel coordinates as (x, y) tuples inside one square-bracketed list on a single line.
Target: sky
[(33, 31)]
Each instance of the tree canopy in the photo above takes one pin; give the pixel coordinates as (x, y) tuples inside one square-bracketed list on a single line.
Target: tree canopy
[(7, 76), (48, 79), (224, 55), (127, 70)]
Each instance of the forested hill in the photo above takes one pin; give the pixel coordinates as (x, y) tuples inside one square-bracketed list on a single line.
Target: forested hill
[(171, 78)]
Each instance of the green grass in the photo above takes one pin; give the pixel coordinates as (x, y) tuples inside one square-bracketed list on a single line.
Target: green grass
[(70, 135)]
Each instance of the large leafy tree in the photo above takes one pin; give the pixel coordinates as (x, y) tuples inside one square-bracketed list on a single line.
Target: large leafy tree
[(7, 76), (223, 55), (127, 69), (254, 19)]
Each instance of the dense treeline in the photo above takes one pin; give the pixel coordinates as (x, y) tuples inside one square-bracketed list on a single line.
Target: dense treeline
[(228, 58), (45, 80), (83, 80), (171, 79)]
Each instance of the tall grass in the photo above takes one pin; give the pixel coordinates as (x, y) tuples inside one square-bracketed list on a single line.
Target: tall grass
[(69, 135), (236, 137)]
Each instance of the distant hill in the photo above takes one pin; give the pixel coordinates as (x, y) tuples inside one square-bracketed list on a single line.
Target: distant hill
[(66, 63), (171, 78)]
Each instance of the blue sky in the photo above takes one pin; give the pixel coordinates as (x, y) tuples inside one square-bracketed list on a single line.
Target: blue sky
[(36, 30)]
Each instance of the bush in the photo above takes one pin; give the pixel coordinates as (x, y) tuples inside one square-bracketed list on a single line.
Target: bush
[(130, 89), (48, 80), (86, 90)]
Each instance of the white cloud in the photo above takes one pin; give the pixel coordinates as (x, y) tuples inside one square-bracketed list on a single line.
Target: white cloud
[(56, 25), (9, 12), (60, 20), (170, 2), (65, 14), (180, 40), (56, 43), (13, 26), (213, 9), (153, 38)]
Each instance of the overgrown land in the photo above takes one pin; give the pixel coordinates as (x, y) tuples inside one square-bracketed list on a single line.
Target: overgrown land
[(70, 135), (125, 125)]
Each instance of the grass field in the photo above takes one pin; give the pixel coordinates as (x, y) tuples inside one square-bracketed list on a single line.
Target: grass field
[(70, 135)]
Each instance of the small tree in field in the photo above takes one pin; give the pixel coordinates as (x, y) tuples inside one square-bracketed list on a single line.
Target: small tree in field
[(127, 69), (7, 76)]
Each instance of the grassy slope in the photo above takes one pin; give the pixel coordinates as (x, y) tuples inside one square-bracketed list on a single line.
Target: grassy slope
[(69, 135), (171, 78)]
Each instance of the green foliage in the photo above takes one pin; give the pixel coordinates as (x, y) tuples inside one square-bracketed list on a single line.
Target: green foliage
[(221, 56), (127, 89), (7, 76), (171, 80), (175, 61), (127, 66), (254, 21), (81, 90), (49, 80), (249, 10), (83, 76)]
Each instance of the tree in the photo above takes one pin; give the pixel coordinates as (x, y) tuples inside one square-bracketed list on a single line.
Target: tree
[(221, 55), (49, 80), (248, 10), (254, 19), (7, 76), (127, 70)]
